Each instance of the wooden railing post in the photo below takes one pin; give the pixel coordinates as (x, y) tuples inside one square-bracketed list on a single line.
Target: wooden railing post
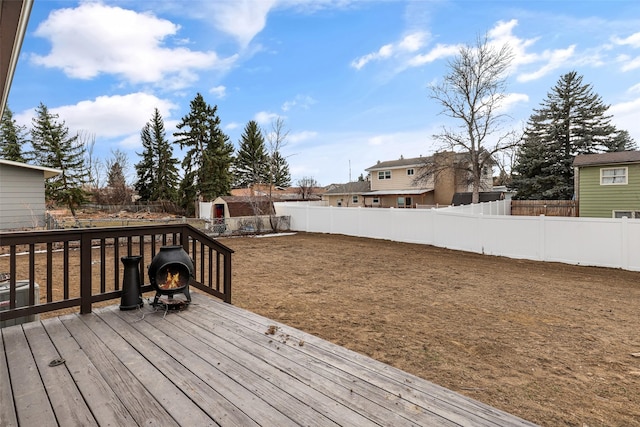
[(85, 273), (227, 278)]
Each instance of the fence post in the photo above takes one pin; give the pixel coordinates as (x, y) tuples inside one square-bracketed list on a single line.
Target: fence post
[(624, 242), (480, 234), (541, 235), (85, 273), (434, 227)]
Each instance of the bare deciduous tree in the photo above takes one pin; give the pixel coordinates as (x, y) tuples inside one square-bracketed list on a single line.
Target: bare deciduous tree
[(92, 163), (472, 92), (307, 185), (276, 141)]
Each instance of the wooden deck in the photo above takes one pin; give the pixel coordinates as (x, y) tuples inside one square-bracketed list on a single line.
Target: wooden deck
[(211, 364)]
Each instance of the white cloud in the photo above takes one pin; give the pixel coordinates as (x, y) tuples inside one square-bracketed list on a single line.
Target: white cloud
[(303, 102), (109, 116), (93, 39), (631, 64), (232, 126), (219, 91), (409, 44), (502, 34), (633, 40), (625, 116), (265, 117), (438, 52), (634, 89), (554, 59), (551, 59), (512, 99), (242, 19), (298, 137)]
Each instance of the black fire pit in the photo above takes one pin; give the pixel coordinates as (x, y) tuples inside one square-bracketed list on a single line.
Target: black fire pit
[(170, 273)]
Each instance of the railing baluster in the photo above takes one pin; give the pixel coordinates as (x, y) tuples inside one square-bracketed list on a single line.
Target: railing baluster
[(218, 255), (65, 281), (32, 273), (201, 261), (85, 273), (12, 277), (103, 266), (116, 263), (49, 272), (141, 253), (210, 275)]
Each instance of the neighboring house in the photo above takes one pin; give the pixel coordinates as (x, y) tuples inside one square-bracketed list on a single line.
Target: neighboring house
[(347, 195), (607, 185), (393, 182), (281, 194), (22, 202)]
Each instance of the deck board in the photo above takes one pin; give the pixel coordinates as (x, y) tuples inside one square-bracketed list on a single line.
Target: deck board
[(30, 396), (211, 364), (8, 416), (57, 380), (98, 395)]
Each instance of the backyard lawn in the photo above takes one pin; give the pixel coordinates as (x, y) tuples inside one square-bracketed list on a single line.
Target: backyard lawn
[(552, 343)]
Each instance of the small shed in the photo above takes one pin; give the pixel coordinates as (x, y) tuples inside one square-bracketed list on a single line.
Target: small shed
[(242, 206), (22, 202)]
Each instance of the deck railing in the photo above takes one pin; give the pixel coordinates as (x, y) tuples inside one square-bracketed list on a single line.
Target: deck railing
[(78, 268)]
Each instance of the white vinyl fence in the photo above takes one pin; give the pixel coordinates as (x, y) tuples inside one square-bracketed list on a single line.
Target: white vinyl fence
[(583, 241)]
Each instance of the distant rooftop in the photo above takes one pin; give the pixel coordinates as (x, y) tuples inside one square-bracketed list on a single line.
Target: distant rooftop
[(607, 158), (349, 188)]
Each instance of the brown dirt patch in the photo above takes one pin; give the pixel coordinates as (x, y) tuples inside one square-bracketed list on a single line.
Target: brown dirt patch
[(549, 342)]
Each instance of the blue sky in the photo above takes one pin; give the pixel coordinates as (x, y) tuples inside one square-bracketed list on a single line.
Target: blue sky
[(349, 78)]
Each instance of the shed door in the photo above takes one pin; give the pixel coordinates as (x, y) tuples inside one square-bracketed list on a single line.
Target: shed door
[(218, 211)]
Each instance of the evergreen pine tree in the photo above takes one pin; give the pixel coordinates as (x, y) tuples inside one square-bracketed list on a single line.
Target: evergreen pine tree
[(572, 120), (157, 171), (209, 154), (622, 142), (280, 167), (147, 167), (12, 138), (118, 192), (115, 176), (252, 162), (52, 147)]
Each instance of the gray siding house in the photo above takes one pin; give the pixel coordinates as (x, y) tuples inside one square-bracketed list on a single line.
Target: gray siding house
[(22, 202)]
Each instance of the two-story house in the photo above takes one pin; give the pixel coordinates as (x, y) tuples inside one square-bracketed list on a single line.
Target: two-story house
[(607, 185), (394, 184)]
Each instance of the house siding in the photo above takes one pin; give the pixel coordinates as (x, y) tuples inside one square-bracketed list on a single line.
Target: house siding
[(346, 200), (597, 200), (399, 179), (22, 203)]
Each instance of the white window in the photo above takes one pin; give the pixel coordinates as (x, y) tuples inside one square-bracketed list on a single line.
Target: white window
[(384, 175), (354, 199), (376, 200), (628, 214), (613, 176), (410, 172)]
